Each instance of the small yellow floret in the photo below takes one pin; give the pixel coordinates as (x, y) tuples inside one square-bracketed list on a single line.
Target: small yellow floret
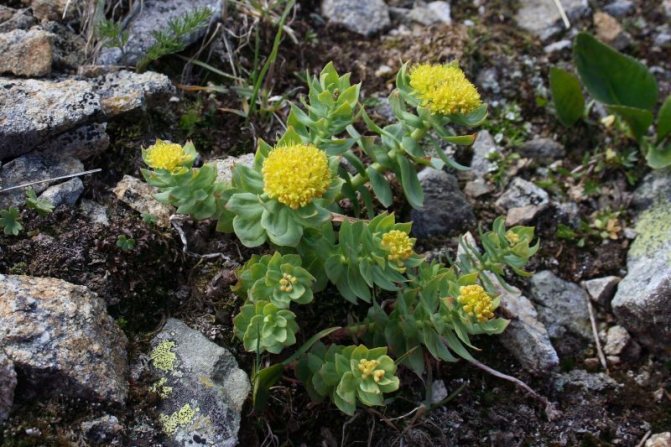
[(512, 237), (398, 244), (162, 356), (166, 155), (378, 375), (367, 367), (476, 302), (287, 282), (296, 175), (179, 418), (444, 89)]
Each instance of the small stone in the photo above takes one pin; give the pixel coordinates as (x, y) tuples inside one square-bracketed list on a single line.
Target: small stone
[(522, 215), (13, 19), (365, 18), (140, 196), (105, 430), (446, 211), (662, 39), (153, 16), (202, 389), (7, 385), (542, 150), (659, 439), (601, 290), (483, 146), (592, 364), (579, 378), (26, 53), (33, 167), (225, 166), (431, 13), (54, 9), (96, 212), (384, 71), (61, 338), (620, 8), (542, 18), (562, 307), (66, 193), (667, 8), (488, 80), (558, 46), (609, 30), (619, 343), (478, 187), (523, 201), (438, 391)]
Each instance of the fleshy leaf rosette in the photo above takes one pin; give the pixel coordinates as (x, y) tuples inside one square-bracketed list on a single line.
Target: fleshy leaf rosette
[(262, 326)]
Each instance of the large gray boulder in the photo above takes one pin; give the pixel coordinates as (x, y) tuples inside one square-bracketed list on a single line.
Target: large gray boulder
[(7, 385), (61, 338), (202, 389), (562, 307), (151, 16), (446, 211), (642, 303), (362, 17)]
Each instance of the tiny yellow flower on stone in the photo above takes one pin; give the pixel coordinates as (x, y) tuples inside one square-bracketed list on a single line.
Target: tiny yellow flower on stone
[(166, 155), (512, 237), (444, 89), (287, 282), (162, 356), (398, 244), (296, 175), (476, 302), (367, 367)]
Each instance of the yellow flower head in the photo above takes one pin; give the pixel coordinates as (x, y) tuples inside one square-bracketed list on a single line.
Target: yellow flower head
[(398, 244), (367, 367), (476, 302), (296, 175), (512, 237), (444, 89), (166, 155)]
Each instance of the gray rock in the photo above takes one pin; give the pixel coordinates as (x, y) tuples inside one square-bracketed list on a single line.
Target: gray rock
[(69, 48), (558, 46), (660, 439), (7, 386), (525, 337), (522, 201), (542, 150), (82, 143), (96, 212), (365, 18), (32, 167), (446, 211), (483, 146), (61, 338), (642, 303), (562, 307), (153, 16), (12, 19), (225, 166), (488, 80), (105, 430), (620, 8), (541, 17), (125, 91), (438, 391), (568, 212), (609, 30), (601, 290), (26, 53), (654, 188), (478, 187), (201, 386), (140, 196), (431, 14), (579, 378), (620, 344), (662, 39), (34, 111), (55, 9), (66, 193), (667, 8)]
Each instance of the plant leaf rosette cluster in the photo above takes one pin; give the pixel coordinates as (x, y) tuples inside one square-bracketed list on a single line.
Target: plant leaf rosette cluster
[(291, 197)]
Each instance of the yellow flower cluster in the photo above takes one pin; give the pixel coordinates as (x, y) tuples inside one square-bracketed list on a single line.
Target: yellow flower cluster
[(287, 282), (296, 175), (398, 244), (476, 302), (512, 237), (444, 89), (367, 367), (166, 155)]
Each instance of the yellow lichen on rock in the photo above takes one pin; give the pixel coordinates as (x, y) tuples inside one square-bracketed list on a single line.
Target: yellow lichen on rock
[(162, 356)]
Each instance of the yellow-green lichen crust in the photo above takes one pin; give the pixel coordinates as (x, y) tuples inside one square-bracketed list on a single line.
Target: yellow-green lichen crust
[(179, 418), (162, 356), (654, 232)]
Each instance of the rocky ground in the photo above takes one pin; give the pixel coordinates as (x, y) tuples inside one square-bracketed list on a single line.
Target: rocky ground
[(109, 343)]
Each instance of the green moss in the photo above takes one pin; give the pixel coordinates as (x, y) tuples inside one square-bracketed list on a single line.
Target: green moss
[(654, 232), (179, 418), (162, 356)]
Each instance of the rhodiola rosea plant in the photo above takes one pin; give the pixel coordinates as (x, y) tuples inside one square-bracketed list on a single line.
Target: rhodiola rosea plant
[(313, 198)]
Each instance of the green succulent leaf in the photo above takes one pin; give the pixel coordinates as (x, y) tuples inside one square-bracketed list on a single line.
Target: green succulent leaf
[(567, 96)]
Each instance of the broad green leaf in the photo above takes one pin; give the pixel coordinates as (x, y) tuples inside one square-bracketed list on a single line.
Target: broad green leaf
[(263, 380), (664, 120), (639, 120), (567, 96), (658, 157), (411, 186), (611, 77)]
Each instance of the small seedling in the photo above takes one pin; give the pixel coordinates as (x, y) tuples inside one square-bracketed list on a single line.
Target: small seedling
[(125, 243), (43, 207), (10, 221)]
